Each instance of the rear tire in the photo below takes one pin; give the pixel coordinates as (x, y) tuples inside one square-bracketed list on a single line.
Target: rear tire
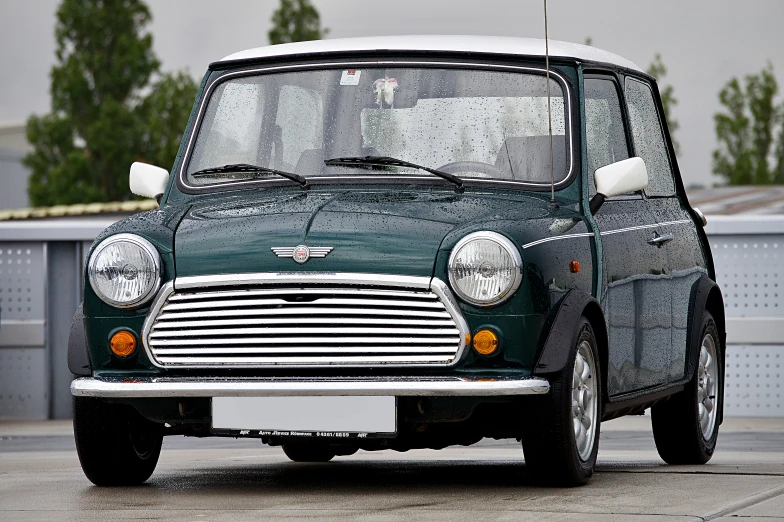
[(561, 439), (308, 452), (116, 445), (686, 426)]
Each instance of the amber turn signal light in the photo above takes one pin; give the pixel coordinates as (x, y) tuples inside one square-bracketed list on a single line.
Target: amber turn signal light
[(123, 344), (485, 342)]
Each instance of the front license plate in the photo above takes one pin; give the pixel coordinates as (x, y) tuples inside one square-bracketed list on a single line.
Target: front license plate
[(306, 414)]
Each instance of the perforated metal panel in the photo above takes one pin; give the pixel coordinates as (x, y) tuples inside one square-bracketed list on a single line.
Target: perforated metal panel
[(22, 279), (753, 384), (23, 362), (750, 271), (23, 383), (749, 261)]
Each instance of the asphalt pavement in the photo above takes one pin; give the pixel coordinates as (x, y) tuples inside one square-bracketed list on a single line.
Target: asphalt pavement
[(230, 479)]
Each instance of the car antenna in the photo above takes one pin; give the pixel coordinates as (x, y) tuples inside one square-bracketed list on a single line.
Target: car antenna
[(553, 203)]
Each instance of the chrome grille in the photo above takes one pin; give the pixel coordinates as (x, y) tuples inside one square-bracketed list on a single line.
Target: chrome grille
[(307, 324)]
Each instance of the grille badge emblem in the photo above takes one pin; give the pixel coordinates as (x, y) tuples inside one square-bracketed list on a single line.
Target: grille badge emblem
[(301, 253)]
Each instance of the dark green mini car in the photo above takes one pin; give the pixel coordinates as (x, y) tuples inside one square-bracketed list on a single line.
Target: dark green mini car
[(408, 242)]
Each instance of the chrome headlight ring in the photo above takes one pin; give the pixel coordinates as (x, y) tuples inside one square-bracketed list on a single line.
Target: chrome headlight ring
[(485, 268), (125, 264)]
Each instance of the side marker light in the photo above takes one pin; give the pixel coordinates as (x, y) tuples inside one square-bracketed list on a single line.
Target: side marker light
[(574, 266)]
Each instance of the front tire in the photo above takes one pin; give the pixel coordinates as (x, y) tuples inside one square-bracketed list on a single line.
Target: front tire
[(116, 445), (561, 439), (686, 426)]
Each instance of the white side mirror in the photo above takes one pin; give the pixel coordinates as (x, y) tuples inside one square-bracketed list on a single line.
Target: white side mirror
[(148, 181), (621, 177)]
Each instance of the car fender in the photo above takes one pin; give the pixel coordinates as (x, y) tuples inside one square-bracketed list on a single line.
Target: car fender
[(78, 358), (706, 295), (558, 334)]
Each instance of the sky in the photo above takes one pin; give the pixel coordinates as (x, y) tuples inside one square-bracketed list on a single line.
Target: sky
[(704, 43)]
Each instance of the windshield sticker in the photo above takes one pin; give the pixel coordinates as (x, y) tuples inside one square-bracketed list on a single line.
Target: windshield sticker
[(350, 77), (385, 89)]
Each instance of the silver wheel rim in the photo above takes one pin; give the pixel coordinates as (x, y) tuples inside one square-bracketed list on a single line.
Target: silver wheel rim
[(707, 379), (584, 401)]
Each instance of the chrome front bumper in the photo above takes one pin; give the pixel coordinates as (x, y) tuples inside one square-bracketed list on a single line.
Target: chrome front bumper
[(276, 387)]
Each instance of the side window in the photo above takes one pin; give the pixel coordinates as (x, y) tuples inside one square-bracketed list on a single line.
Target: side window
[(605, 134), (649, 138), (298, 125)]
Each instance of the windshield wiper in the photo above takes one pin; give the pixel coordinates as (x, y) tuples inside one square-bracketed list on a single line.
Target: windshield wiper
[(369, 161), (245, 167)]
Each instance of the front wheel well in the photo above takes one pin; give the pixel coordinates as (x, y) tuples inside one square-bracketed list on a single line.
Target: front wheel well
[(594, 314)]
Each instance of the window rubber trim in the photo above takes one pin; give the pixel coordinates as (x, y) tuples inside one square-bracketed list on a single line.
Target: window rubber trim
[(186, 188)]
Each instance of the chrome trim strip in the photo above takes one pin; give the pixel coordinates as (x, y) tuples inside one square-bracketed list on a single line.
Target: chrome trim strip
[(163, 294), (166, 324), (642, 227), (448, 338), (345, 312), (446, 351), (276, 387), (450, 303), (604, 232), (277, 292), (186, 157), (326, 301), (548, 239), (285, 278)]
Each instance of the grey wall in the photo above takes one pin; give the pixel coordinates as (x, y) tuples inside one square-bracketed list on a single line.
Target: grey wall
[(13, 180), (64, 293)]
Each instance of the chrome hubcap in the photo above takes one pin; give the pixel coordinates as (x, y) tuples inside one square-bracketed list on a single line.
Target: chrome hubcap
[(707, 379), (584, 401)]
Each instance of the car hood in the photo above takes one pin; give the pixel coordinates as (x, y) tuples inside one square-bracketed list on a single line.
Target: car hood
[(388, 231)]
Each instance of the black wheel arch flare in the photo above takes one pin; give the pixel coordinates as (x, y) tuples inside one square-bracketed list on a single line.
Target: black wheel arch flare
[(558, 334), (706, 295)]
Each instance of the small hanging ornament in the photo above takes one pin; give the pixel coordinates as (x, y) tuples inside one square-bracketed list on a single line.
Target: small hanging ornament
[(385, 89)]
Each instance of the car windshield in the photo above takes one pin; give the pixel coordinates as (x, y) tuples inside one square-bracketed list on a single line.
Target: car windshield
[(476, 124)]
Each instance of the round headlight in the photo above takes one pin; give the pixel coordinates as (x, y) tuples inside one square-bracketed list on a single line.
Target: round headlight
[(125, 270), (485, 268)]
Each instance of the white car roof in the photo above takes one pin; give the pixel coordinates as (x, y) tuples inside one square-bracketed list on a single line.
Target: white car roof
[(480, 44)]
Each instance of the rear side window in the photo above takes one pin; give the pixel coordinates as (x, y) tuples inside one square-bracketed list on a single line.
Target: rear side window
[(649, 138), (605, 135)]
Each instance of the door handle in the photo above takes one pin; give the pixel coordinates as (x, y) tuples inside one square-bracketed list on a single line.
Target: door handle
[(660, 240)]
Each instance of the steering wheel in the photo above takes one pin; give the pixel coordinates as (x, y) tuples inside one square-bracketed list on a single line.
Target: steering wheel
[(491, 171)]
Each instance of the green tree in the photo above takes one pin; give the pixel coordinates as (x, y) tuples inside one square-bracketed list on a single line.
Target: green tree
[(658, 70), (296, 21), (110, 105), (751, 141)]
